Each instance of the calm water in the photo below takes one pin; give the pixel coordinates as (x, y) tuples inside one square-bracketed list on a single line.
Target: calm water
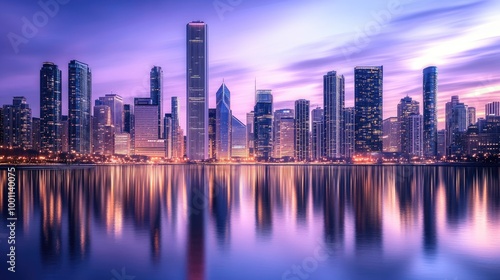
[(255, 222)]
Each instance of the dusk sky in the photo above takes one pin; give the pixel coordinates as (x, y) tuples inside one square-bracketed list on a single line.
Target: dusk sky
[(287, 45)]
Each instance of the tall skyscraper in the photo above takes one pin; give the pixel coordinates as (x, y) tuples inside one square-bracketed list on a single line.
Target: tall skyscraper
[(127, 118), (368, 91), (250, 134), (492, 109), (146, 141), (318, 133), (333, 100), (391, 138), (284, 133), (415, 135), (471, 116), (302, 147), (167, 134), (430, 89), (177, 134), (224, 123), (406, 108), (197, 90), (349, 132), (115, 104), (103, 130), (80, 96), (456, 125), (50, 108), (212, 133), (263, 125), (156, 94), (238, 139), (17, 124)]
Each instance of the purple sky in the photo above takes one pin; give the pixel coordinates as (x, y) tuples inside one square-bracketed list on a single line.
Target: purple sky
[(287, 45)]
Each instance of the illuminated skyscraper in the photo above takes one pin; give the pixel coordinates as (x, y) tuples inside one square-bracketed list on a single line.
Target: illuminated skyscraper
[(368, 91), (263, 125), (349, 134), (456, 125), (115, 104), (238, 139), (17, 124), (50, 108), (156, 94), (333, 100), (197, 90), (415, 135), (318, 133), (471, 116), (391, 136), (223, 122), (406, 108), (302, 147), (80, 96), (250, 134), (212, 133), (430, 89), (177, 134), (103, 130), (146, 141), (284, 133)]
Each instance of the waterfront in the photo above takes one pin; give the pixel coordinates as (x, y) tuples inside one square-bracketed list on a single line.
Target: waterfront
[(256, 222)]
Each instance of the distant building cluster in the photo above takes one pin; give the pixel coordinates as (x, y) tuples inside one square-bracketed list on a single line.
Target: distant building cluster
[(333, 132)]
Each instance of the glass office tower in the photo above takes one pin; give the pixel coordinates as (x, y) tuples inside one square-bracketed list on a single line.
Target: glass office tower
[(80, 96), (430, 88), (50, 108)]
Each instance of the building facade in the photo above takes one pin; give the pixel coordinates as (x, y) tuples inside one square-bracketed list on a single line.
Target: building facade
[(333, 100), (302, 147), (263, 125), (79, 106), (284, 133), (50, 108), (430, 91), (238, 139), (318, 134), (223, 123)]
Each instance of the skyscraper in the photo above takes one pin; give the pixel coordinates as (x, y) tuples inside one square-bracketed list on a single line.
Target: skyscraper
[(406, 108), (250, 134), (492, 109), (156, 93), (415, 135), (167, 134), (64, 134), (368, 91), (35, 134), (224, 122), (115, 104), (302, 147), (103, 130), (391, 136), (238, 139), (50, 108), (430, 89), (263, 125), (456, 125), (318, 133), (212, 133), (177, 135), (333, 100), (127, 118), (284, 133), (17, 124), (80, 96), (197, 90), (146, 141), (471, 116), (349, 134)]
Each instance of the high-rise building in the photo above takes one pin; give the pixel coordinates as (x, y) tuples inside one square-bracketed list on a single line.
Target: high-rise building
[(349, 134), (177, 134), (212, 133), (224, 122), (250, 134), (333, 100), (115, 104), (430, 89), (156, 93), (167, 134), (441, 143), (391, 136), (471, 116), (197, 90), (50, 107), (64, 134), (415, 135), (368, 91), (492, 109), (302, 147), (146, 141), (456, 125), (79, 106), (406, 108), (17, 124), (284, 133), (318, 133), (103, 130), (127, 118), (35, 134), (238, 139), (263, 125)]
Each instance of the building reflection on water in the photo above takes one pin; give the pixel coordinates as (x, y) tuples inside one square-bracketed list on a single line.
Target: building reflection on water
[(193, 203)]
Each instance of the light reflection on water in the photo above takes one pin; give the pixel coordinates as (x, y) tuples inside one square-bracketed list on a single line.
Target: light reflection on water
[(257, 222)]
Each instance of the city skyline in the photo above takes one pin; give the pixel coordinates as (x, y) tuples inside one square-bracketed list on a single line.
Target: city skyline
[(290, 78)]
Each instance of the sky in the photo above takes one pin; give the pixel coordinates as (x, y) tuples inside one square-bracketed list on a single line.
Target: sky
[(283, 45)]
